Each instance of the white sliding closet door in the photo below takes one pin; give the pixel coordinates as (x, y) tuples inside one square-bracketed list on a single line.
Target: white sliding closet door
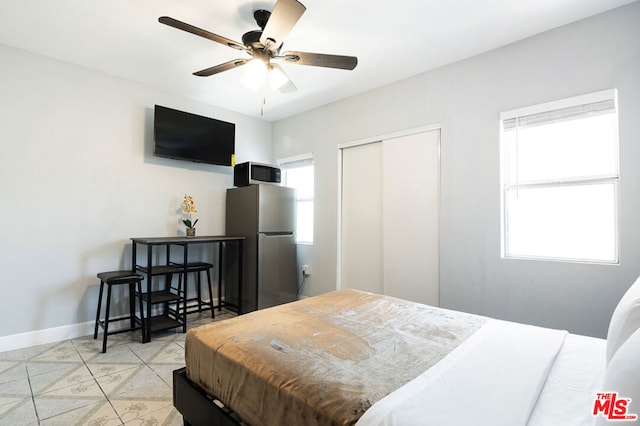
[(361, 240), (411, 190), (389, 239)]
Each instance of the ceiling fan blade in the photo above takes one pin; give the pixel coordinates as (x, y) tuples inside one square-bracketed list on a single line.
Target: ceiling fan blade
[(284, 17), (200, 32), (222, 67), (320, 60), (287, 86)]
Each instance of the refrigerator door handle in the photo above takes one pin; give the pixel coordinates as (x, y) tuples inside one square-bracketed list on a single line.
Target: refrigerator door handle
[(277, 234)]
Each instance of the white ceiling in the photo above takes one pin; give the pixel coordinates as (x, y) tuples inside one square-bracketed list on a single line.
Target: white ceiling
[(393, 40)]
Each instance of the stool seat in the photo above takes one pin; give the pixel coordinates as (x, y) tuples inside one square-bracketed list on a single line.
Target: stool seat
[(119, 277), (197, 268), (113, 278)]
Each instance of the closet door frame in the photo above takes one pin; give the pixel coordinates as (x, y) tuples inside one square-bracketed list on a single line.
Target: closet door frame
[(365, 141)]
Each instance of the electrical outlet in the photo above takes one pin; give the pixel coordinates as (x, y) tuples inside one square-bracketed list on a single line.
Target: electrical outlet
[(305, 270)]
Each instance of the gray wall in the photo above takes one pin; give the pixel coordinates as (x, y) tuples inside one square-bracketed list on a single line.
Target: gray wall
[(78, 179), (466, 98)]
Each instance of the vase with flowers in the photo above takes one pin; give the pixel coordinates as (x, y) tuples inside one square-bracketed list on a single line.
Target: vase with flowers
[(189, 207)]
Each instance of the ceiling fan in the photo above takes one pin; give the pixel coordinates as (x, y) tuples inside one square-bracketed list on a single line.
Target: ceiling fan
[(264, 45)]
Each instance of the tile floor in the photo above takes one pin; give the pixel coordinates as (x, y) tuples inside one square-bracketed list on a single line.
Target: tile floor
[(73, 383)]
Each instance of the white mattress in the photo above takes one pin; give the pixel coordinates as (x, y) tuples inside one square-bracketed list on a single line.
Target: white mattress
[(505, 374)]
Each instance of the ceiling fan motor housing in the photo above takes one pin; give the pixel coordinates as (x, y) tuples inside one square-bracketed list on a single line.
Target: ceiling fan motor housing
[(251, 39), (261, 16)]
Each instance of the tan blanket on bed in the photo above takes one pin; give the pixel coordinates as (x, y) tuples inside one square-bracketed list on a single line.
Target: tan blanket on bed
[(323, 360)]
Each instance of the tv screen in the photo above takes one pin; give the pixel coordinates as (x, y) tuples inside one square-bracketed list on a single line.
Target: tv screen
[(185, 136)]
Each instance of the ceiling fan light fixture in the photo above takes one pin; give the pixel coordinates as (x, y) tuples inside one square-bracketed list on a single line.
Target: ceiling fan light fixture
[(258, 73), (277, 78), (255, 74)]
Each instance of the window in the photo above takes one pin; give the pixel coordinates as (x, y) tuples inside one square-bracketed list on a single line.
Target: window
[(560, 180), (297, 172)]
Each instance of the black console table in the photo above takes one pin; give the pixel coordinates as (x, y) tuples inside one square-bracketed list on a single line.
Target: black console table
[(151, 297)]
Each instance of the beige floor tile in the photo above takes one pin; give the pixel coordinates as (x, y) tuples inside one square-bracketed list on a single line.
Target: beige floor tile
[(95, 414), (63, 377), (165, 371), (15, 355), (49, 406), (170, 354), (145, 383), (166, 416), (16, 388), (36, 368), (66, 382), (101, 370), (12, 370), (88, 389), (148, 351), (112, 383), (63, 352), (141, 410), (8, 403), (114, 355), (17, 411), (32, 351)]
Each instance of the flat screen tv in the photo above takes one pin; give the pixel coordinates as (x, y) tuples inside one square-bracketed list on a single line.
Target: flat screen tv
[(184, 136)]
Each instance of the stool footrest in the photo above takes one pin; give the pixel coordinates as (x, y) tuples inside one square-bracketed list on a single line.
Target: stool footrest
[(120, 330), (161, 270), (161, 296)]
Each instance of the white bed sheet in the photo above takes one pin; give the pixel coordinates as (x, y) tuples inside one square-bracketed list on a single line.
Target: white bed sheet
[(564, 394), (494, 378), (577, 375)]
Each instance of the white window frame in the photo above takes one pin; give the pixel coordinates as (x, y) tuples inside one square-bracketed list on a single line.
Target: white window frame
[(298, 161), (605, 95)]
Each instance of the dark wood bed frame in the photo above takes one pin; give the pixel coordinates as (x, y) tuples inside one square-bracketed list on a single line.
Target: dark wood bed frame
[(196, 407)]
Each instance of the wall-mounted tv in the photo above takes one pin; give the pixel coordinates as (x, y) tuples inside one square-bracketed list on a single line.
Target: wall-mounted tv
[(184, 136)]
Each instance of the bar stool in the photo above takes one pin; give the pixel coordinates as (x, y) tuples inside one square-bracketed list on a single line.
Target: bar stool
[(198, 268), (111, 279)]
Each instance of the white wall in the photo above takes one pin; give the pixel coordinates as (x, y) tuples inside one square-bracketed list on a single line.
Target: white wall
[(466, 99), (78, 179)]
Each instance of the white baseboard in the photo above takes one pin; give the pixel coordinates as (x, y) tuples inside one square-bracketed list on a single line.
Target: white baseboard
[(49, 335), (56, 334)]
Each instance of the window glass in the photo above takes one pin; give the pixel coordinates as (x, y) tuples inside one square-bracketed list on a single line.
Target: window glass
[(298, 173), (300, 178), (568, 149), (565, 222), (560, 180), (304, 220)]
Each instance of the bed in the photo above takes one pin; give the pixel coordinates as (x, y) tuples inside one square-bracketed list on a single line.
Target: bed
[(357, 358)]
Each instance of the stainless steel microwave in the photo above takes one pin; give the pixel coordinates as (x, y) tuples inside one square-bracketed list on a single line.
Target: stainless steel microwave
[(247, 173)]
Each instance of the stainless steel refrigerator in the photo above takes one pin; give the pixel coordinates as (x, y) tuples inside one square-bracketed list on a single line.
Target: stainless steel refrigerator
[(265, 215)]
